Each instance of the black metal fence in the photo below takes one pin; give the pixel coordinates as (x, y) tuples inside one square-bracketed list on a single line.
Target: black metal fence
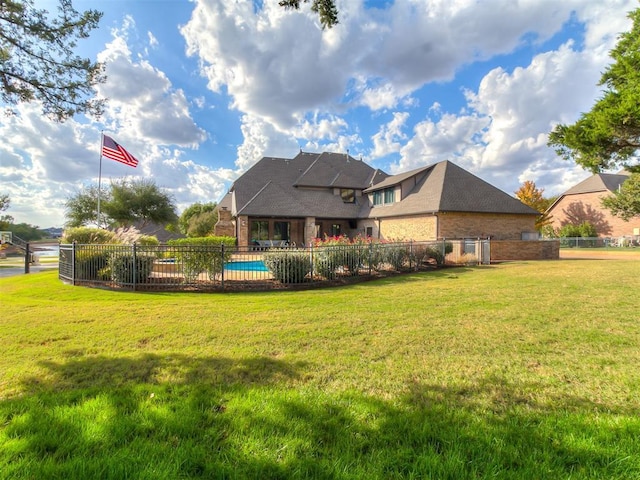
[(191, 267)]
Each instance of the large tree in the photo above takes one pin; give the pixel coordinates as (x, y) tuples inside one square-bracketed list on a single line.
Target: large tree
[(5, 220), (126, 202), (625, 202), (608, 136), (37, 60), (4, 202), (198, 219), (326, 10), (531, 195)]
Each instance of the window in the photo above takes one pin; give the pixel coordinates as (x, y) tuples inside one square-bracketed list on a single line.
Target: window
[(384, 197), (389, 195), (282, 231), (259, 230), (369, 231), (348, 195), (335, 230)]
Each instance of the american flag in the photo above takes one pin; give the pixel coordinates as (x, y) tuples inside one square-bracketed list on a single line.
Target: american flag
[(113, 151)]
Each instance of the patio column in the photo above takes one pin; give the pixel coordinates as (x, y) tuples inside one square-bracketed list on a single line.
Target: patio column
[(309, 230)]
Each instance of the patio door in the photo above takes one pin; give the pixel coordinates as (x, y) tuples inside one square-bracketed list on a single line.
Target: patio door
[(282, 231)]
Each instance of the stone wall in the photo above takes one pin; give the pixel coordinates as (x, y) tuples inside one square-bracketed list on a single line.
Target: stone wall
[(509, 250)]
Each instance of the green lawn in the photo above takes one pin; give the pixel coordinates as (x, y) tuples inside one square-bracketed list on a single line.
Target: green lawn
[(520, 370)]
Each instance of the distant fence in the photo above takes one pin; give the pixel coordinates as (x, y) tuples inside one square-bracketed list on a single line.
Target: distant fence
[(599, 242), (184, 267)]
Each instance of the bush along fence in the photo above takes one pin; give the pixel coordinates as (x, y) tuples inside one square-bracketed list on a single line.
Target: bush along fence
[(184, 266)]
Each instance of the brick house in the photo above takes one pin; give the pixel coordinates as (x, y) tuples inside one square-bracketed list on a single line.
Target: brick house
[(313, 195), (583, 202)]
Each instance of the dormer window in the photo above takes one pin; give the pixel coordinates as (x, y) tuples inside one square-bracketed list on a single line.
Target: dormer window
[(384, 197), (348, 195)]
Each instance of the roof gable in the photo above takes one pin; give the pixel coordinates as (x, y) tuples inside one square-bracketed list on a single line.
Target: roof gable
[(335, 170), (600, 182), (446, 187), (301, 186)]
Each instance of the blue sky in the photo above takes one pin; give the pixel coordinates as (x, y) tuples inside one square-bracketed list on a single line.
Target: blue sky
[(199, 91)]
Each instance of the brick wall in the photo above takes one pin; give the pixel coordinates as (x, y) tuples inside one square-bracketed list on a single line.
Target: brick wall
[(409, 228), (225, 226), (504, 250), (483, 225), (575, 209)]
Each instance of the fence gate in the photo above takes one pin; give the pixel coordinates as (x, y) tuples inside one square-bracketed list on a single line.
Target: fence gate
[(484, 252)]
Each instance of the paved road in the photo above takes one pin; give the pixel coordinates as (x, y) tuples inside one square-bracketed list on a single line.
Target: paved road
[(12, 271)]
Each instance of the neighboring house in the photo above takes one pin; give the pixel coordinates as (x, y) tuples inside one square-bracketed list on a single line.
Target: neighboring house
[(583, 203), (316, 195)]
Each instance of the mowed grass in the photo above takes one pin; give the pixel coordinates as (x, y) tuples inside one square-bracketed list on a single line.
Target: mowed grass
[(520, 370)]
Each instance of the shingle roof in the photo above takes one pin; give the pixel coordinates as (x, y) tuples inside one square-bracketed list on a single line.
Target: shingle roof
[(599, 182), (302, 186), (445, 187), (335, 170)]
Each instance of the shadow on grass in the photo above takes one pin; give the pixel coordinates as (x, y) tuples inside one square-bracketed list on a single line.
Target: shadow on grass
[(173, 416)]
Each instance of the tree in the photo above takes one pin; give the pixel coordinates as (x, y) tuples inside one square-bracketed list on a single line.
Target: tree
[(5, 220), (530, 195), (198, 219), (37, 60), (326, 10), (625, 203), (584, 230), (4, 202), (82, 208), (125, 203), (609, 134), (139, 201), (27, 232)]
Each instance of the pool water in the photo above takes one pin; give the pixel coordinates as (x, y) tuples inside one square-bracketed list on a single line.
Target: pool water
[(250, 265)]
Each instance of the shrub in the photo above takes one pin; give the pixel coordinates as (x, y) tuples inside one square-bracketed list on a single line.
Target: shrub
[(288, 265), (91, 262), (87, 235), (202, 254), (396, 255), (148, 241), (585, 230), (340, 252), (127, 269), (434, 253)]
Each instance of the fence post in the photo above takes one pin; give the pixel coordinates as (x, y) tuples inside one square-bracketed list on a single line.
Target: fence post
[(135, 265), (27, 254), (411, 255), (444, 249), (73, 263), (311, 260), (222, 264), (370, 256)]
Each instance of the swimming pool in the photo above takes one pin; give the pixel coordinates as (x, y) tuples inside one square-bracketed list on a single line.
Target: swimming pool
[(247, 265)]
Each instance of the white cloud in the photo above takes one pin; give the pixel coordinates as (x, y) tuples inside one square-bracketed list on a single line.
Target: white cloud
[(502, 133), (281, 66), (142, 102), (388, 138)]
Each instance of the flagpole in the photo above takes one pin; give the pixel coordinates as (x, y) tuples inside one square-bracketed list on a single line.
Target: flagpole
[(100, 175)]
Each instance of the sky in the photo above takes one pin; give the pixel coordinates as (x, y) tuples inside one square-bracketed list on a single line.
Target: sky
[(198, 91)]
